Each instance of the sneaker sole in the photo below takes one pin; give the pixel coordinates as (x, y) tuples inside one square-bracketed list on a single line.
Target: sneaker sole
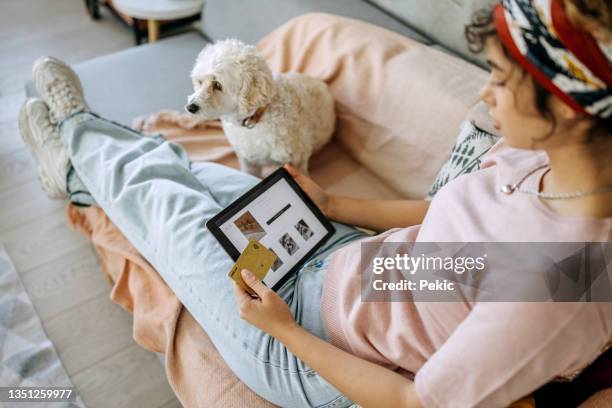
[(24, 125), (31, 143)]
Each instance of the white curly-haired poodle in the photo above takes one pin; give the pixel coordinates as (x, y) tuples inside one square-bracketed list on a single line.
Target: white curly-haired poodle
[(269, 121)]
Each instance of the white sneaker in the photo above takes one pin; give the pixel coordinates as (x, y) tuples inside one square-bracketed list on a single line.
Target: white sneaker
[(43, 139), (59, 86)]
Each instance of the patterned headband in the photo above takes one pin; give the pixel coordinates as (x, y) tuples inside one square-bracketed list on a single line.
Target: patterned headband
[(565, 60)]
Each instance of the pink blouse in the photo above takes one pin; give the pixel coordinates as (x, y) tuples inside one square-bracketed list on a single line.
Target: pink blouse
[(474, 354)]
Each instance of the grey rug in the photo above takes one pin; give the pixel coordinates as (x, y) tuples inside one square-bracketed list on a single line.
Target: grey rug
[(27, 356)]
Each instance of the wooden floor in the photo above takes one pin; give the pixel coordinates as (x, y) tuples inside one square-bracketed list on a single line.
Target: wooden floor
[(92, 335)]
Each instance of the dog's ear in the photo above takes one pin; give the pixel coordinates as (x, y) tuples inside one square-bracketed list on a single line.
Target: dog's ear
[(255, 91)]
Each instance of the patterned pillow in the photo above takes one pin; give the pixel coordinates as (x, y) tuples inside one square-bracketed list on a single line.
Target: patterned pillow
[(472, 144)]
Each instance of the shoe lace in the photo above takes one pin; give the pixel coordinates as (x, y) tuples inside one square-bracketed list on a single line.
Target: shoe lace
[(54, 140), (60, 93)]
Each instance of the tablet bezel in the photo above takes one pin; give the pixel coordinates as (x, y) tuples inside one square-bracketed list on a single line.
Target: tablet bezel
[(244, 200)]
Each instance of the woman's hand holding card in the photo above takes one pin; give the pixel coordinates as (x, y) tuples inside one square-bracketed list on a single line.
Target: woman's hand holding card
[(268, 311)]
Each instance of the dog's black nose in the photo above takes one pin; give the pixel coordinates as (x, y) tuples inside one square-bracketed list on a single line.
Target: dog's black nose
[(192, 108)]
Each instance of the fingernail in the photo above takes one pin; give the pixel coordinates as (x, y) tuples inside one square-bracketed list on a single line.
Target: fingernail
[(247, 273)]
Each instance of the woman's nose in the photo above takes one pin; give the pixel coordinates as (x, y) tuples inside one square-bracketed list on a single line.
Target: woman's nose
[(486, 94)]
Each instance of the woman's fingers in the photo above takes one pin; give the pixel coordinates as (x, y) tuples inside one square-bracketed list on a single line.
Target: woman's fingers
[(240, 294), (269, 312), (254, 283), (292, 170), (295, 173)]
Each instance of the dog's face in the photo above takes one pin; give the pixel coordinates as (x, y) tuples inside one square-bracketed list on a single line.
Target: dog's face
[(229, 79)]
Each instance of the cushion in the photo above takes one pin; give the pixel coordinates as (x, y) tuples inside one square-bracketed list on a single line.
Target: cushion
[(442, 20), (465, 156)]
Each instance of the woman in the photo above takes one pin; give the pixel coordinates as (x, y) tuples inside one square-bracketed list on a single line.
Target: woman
[(314, 343)]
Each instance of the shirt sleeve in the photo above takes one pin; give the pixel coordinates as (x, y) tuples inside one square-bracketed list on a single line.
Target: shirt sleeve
[(504, 351)]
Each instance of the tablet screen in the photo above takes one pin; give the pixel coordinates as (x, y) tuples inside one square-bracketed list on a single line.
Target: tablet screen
[(281, 217)]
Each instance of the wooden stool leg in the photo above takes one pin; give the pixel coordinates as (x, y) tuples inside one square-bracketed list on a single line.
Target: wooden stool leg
[(136, 31), (153, 27), (93, 9)]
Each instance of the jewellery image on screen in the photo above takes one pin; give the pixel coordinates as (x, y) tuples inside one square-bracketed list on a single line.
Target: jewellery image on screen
[(278, 263), (248, 225), (289, 244), (304, 230)]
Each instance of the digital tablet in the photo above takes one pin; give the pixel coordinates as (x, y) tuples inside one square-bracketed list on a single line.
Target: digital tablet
[(280, 215)]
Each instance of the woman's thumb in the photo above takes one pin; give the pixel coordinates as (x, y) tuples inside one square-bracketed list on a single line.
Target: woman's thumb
[(254, 282)]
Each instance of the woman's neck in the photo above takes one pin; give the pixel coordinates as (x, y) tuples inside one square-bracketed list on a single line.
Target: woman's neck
[(576, 168)]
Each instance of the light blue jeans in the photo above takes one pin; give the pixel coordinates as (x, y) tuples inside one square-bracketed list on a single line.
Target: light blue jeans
[(161, 202)]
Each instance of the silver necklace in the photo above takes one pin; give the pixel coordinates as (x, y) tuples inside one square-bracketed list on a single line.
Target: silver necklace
[(511, 188)]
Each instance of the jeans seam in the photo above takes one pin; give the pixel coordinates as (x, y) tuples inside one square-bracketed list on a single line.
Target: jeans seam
[(96, 116), (334, 402), (60, 125)]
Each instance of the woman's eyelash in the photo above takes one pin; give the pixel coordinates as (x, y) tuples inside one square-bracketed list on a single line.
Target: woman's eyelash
[(498, 83)]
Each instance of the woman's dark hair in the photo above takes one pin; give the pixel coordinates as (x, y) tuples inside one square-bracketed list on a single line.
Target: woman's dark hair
[(480, 29)]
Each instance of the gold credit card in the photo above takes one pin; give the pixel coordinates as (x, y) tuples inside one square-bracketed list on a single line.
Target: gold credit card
[(257, 259)]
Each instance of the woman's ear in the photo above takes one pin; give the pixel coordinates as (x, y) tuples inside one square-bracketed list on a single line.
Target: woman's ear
[(562, 111), (572, 121), (255, 91), (567, 113)]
